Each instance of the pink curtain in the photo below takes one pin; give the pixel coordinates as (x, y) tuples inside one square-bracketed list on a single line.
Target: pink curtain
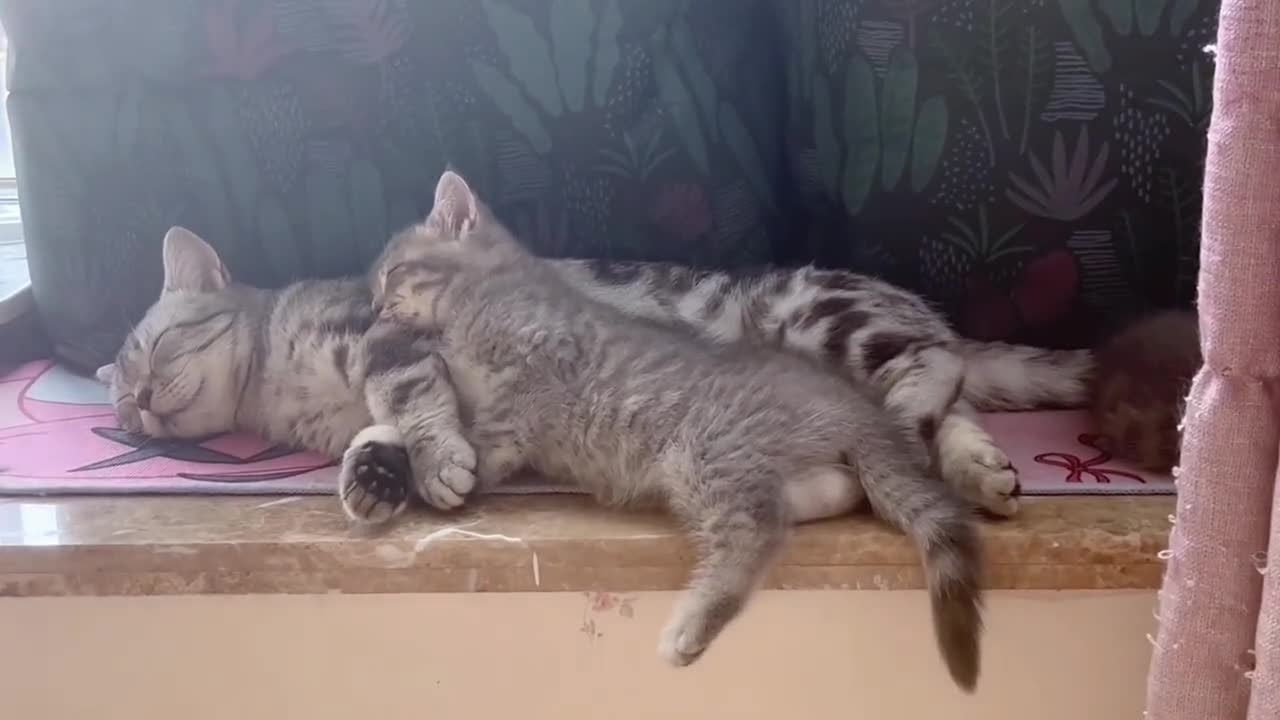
[(1217, 653)]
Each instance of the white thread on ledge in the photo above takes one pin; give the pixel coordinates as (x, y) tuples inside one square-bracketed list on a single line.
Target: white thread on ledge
[(458, 530), (281, 501)]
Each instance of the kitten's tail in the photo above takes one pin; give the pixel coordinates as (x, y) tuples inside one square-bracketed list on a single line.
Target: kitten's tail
[(944, 529), (1000, 376)]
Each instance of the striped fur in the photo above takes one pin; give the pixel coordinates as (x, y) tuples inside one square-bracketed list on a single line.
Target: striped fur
[(298, 354), (738, 442)]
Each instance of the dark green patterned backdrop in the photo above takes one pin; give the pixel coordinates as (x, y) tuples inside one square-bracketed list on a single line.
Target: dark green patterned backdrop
[(1033, 165)]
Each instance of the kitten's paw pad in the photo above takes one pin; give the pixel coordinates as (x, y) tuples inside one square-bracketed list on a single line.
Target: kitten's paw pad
[(374, 480), (681, 644), (454, 477), (987, 478)]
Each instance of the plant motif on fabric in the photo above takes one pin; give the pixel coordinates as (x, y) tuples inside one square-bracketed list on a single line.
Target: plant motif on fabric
[(553, 89), (1042, 293), (854, 133), (550, 79), (885, 136), (1067, 189), (910, 13), (699, 116), (963, 259), (637, 159), (1140, 133), (1125, 18), (370, 32), (1001, 69), (976, 262), (1188, 98), (243, 48)]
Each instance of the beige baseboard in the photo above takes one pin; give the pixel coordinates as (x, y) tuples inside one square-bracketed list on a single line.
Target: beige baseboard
[(1079, 655)]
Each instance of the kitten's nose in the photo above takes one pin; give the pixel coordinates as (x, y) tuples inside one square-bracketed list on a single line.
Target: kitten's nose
[(143, 398)]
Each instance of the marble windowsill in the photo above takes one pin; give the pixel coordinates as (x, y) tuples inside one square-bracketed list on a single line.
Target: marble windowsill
[(175, 546)]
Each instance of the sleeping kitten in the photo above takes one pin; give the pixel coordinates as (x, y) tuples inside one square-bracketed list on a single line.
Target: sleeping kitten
[(738, 442), (292, 366), (1142, 378), (288, 364)]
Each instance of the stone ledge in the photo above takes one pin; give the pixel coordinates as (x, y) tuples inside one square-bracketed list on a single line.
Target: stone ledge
[(256, 545)]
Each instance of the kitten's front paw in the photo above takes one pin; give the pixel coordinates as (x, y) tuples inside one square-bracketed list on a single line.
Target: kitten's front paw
[(983, 474), (374, 480), (683, 640), (451, 476)]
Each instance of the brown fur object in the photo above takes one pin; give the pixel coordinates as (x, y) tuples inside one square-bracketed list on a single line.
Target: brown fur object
[(1141, 381)]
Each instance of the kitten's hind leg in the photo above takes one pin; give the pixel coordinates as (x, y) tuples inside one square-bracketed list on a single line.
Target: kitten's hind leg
[(374, 480), (823, 492), (739, 532), (920, 385), (974, 466), (922, 388)]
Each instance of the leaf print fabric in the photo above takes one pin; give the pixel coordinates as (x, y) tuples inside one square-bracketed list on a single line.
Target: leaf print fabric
[(1032, 165)]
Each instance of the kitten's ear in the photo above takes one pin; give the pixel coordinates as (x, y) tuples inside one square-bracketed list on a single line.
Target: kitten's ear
[(191, 264), (106, 374), (456, 209)]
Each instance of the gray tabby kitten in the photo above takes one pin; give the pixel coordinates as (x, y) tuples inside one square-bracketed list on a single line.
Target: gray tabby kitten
[(739, 442), (291, 364), (305, 366)]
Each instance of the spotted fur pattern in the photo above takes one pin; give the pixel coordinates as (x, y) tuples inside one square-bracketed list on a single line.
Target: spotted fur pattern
[(738, 441)]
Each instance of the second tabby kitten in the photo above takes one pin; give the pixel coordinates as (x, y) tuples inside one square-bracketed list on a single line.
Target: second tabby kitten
[(738, 442)]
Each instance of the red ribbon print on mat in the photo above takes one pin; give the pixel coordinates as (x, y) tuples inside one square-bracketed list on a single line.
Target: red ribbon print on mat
[(1077, 468)]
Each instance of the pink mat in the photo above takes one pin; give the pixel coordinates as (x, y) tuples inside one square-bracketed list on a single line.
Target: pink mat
[(58, 436)]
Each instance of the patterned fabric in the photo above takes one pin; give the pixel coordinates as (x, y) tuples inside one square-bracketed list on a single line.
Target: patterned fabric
[(1217, 654), (1031, 164), (1034, 165), (296, 135)]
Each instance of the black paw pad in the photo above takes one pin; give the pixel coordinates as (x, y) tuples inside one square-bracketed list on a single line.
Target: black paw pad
[(379, 480)]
